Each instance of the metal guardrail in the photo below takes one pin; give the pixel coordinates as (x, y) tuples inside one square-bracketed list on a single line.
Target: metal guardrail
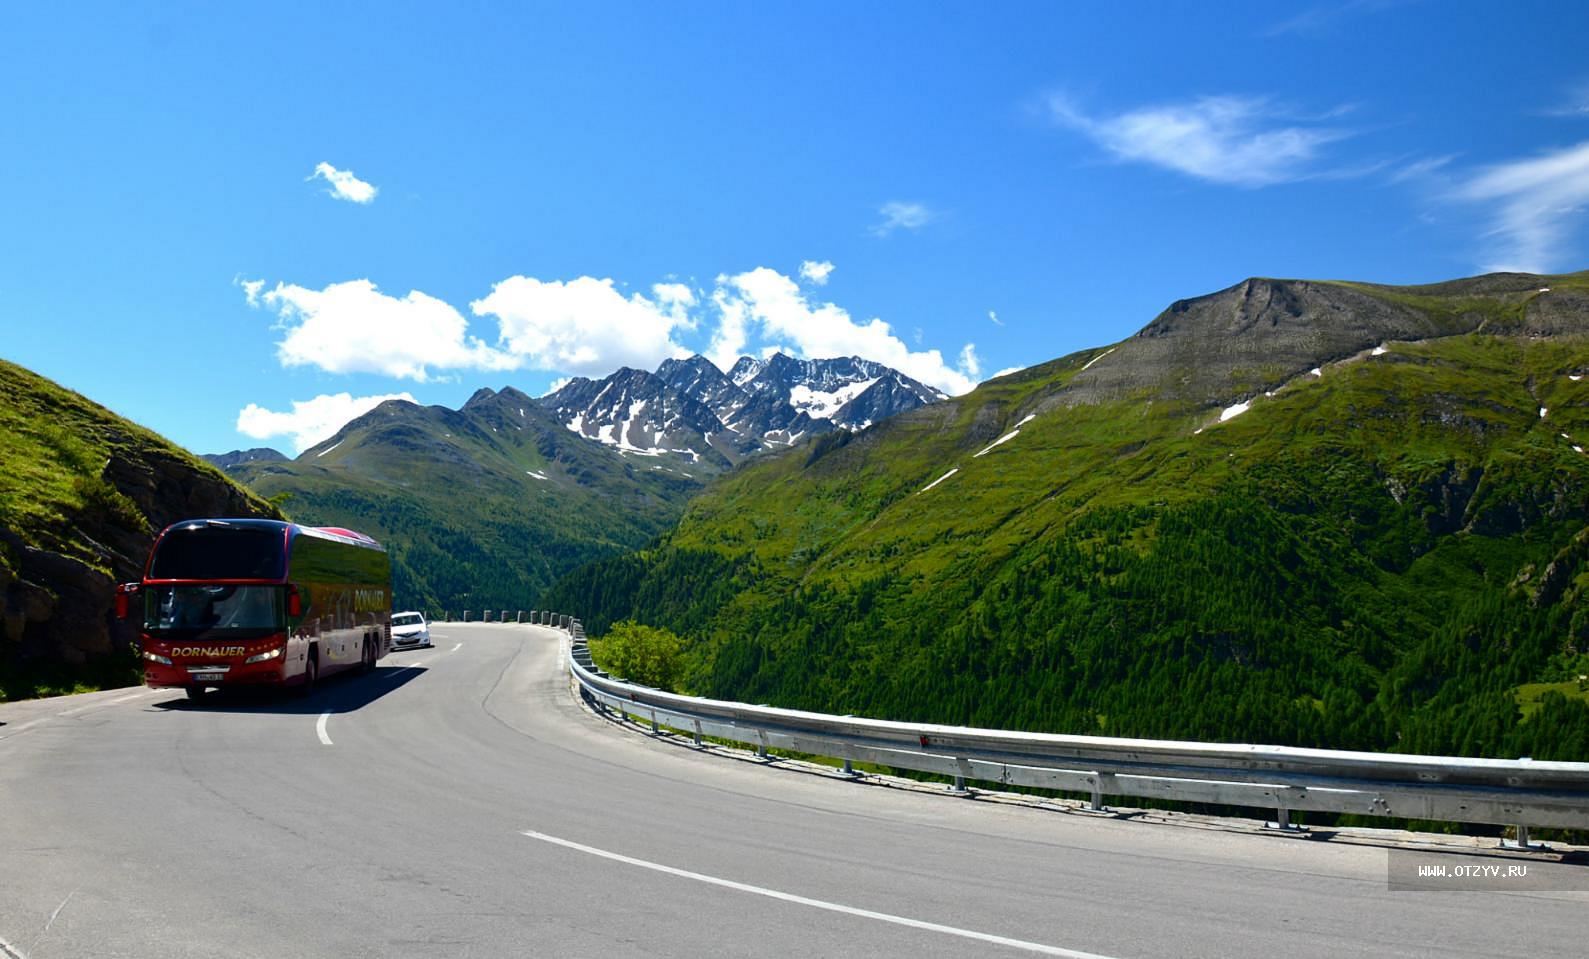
[(1517, 792)]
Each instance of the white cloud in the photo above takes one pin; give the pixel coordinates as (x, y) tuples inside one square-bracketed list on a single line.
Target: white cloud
[(1241, 141), (816, 272), (344, 185), (899, 215), (311, 421), (353, 327), (1536, 203), (995, 318), (558, 384), (969, 362), (582, 327), (585, 326), (1007, 371), (773, 304)]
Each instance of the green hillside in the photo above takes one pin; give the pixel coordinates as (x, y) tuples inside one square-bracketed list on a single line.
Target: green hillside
[(480, 508), (1388, 553), (82, 493)]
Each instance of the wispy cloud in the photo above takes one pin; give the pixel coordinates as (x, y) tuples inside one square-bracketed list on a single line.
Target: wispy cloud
[(344, 185), (994, 316), (899, 215), (1421, 169), (1537, 203), (1575, 104), (1235, 140), (1325, 18)]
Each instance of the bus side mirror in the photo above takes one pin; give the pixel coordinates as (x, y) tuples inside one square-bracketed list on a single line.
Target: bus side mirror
[(294, 602), (124, 595)]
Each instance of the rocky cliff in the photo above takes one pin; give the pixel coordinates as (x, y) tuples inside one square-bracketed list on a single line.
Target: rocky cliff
[(82, 493)]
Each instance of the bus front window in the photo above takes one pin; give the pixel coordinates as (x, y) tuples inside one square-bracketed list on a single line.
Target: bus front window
[(212, 607)]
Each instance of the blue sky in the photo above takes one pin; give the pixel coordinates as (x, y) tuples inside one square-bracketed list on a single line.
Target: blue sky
[(512, 194)]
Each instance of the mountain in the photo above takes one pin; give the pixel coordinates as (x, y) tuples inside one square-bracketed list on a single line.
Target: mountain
[(480, 507), (690, 411), (82, 493), (484, 506), (226, 461), (1317, 513)]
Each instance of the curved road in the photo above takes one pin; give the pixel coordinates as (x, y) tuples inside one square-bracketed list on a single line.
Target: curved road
[(459, 802)]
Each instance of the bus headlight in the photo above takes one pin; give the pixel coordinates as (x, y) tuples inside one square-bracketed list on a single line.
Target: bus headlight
[(261, 657), (156, 658)]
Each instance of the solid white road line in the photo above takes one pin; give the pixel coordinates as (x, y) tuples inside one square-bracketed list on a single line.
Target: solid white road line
[(456, 648), (9, 951), (1021, 944), (320, 728)]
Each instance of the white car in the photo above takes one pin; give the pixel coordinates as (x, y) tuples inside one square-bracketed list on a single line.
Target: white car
[(410, 631)]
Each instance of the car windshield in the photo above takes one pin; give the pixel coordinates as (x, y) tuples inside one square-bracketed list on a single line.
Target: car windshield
[(213, 607), (407, 619)]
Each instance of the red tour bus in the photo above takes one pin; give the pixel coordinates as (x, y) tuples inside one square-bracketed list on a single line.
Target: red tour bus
[(253, 602)]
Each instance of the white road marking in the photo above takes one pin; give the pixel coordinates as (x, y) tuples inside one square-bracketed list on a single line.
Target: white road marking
[(54, 914), (1021, 944), (320, 728), (456, 648), (10, 952)]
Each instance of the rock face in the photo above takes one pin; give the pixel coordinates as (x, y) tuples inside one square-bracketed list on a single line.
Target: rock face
[(1261, 332), (89, 490)]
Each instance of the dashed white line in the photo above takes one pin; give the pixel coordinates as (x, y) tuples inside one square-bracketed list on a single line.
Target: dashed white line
[(320, 728), (456, 648), (1021, 944)]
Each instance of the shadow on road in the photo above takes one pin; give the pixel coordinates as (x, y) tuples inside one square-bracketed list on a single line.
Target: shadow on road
[(339, 694)]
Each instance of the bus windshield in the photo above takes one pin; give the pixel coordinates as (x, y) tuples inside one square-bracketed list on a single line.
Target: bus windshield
[(213, 550), (212, 607)]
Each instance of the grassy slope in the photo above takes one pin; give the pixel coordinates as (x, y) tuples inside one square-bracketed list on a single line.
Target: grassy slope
[(1350, 562), (54, 444)]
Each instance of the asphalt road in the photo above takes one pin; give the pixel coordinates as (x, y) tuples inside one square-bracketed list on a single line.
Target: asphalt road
[(459, 802)]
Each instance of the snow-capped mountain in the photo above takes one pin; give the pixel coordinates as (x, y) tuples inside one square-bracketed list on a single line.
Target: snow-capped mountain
[(690, 409)]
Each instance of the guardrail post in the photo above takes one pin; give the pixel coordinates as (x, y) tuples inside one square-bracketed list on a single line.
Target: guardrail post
[(761, 748), (849, 768), (1283, 820), (959, 785), (1097, 794), (698, 732), (1521, 842), (466, 616), (654, 728)]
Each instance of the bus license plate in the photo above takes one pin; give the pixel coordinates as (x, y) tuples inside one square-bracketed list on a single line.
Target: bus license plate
[(214, 677)]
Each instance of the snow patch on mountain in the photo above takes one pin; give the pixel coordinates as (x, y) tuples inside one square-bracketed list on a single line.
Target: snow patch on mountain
[(821, 405)]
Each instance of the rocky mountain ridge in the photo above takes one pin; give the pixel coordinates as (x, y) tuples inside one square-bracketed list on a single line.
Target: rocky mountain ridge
[(690, 409)]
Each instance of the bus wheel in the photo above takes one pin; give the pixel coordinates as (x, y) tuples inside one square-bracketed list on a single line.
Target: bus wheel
[(311, 672), (195, 693)]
